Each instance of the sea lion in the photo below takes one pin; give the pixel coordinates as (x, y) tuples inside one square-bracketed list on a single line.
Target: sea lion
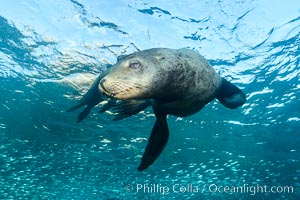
[(174, 82)]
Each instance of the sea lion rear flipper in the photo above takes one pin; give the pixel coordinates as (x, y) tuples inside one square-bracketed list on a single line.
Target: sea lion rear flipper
[(157, 142), (230, 95), (127, 108)]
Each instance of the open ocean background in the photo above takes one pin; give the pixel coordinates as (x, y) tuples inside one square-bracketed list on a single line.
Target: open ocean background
[(51, 51)]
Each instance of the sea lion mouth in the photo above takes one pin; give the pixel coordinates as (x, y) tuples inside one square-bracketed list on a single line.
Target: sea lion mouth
[(105, 91), (128, 79), (121, 89)]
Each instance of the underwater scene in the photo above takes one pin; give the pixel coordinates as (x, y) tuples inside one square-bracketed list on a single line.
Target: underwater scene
[(51, 52)]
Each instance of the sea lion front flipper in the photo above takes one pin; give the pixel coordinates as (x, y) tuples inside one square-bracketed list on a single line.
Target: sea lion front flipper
[(230, 95), (157, 142), (84, 113), (80, 104), (91, 98), (127, 108), (111, 103)]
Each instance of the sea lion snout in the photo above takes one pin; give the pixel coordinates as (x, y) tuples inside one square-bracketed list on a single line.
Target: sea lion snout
[(120, 88), (102, 88)]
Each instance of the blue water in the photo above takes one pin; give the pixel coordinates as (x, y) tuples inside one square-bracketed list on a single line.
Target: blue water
[(51, 51)]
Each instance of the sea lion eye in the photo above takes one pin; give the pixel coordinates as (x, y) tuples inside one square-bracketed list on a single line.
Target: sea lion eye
[(135, 64)]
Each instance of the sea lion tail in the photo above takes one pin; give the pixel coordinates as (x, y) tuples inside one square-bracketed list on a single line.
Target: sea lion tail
[(230, 95)]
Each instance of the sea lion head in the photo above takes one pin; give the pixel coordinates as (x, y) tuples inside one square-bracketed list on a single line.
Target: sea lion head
[(132, 77)]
